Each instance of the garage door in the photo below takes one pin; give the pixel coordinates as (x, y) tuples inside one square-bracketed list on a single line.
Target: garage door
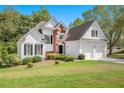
[(87, 51), (99, 52), (93, 51)]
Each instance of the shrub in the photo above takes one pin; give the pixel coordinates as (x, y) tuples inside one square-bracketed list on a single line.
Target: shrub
[(27, 60), (0, 62), (64, 58), (56, 62), (36, 59), (12, 59), (69, 58), (51, 56), (29, 65), (81, 56), (60, 57)]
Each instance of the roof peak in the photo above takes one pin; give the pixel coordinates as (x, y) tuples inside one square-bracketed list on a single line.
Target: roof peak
[(84, 24), (77, 32)]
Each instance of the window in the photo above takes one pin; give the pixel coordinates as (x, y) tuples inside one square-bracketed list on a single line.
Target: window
[(28, 49), (38, 49), (94, 33), (49, 39), (60, 36)]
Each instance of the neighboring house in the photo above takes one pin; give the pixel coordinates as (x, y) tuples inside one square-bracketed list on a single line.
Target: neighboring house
[(87, 39), (53, 36), (43, 38)]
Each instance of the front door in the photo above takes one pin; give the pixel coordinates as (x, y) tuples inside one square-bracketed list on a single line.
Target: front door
[(61, 49)]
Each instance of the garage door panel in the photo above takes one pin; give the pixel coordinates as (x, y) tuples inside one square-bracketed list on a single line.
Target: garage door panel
[(99, 52), (87, 51)]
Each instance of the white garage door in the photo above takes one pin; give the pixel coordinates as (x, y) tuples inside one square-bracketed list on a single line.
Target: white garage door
[(87, 51), (99, 52), (93, 51)]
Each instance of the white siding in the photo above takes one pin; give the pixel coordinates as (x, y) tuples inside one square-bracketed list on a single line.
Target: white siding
[(94, 26), (93, 49), (34, 37), (72, 48), (51, 23)]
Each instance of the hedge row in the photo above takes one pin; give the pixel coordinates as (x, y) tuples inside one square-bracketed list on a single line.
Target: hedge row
[(54, 56), (31, 59)]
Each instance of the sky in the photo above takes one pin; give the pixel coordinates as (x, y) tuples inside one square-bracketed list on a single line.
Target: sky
[(64, 13)]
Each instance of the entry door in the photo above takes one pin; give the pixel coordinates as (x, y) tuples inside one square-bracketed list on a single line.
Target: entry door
[(61, 49)]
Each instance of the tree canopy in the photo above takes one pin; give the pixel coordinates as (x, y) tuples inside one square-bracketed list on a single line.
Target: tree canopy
[(76, 22), (14, 25)]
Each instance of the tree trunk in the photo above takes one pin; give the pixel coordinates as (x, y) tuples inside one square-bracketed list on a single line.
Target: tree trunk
[(110, 50), (110, 45)]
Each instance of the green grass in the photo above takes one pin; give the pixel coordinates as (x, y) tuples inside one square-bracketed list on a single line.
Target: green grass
[(118, 56), (64, 75)]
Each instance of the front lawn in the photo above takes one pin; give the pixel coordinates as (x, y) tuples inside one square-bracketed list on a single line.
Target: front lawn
[(64, 75)]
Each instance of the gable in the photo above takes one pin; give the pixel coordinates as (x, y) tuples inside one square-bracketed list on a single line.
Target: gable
[(77, 32), (32, 38), (51, 23), (95, 27)]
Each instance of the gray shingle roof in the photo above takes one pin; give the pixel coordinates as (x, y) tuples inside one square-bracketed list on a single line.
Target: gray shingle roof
[(77, 32)]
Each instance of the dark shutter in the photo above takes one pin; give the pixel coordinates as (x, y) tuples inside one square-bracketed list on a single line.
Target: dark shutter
[(96, 33), (31, 49), (51, 39), (24, 49), (41, 49), (35, 49)]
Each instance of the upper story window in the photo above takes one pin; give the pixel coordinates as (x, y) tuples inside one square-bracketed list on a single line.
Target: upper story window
[(49, 39), (94, 33), (60, 36)]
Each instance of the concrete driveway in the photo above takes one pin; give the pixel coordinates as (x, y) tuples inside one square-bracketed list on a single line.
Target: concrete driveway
[(112, 60)]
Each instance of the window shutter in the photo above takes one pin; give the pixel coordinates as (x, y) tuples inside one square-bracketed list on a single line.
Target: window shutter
[(51, 39), (31, 49), (24, 49), (41, 49), (35, 49), (96, 33)]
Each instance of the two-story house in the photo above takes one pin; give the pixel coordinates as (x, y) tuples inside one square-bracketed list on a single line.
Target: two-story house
[(43, 38)]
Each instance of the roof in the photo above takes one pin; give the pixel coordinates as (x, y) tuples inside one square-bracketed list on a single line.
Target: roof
[(39, 25), (77, 32), (42, 23)]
